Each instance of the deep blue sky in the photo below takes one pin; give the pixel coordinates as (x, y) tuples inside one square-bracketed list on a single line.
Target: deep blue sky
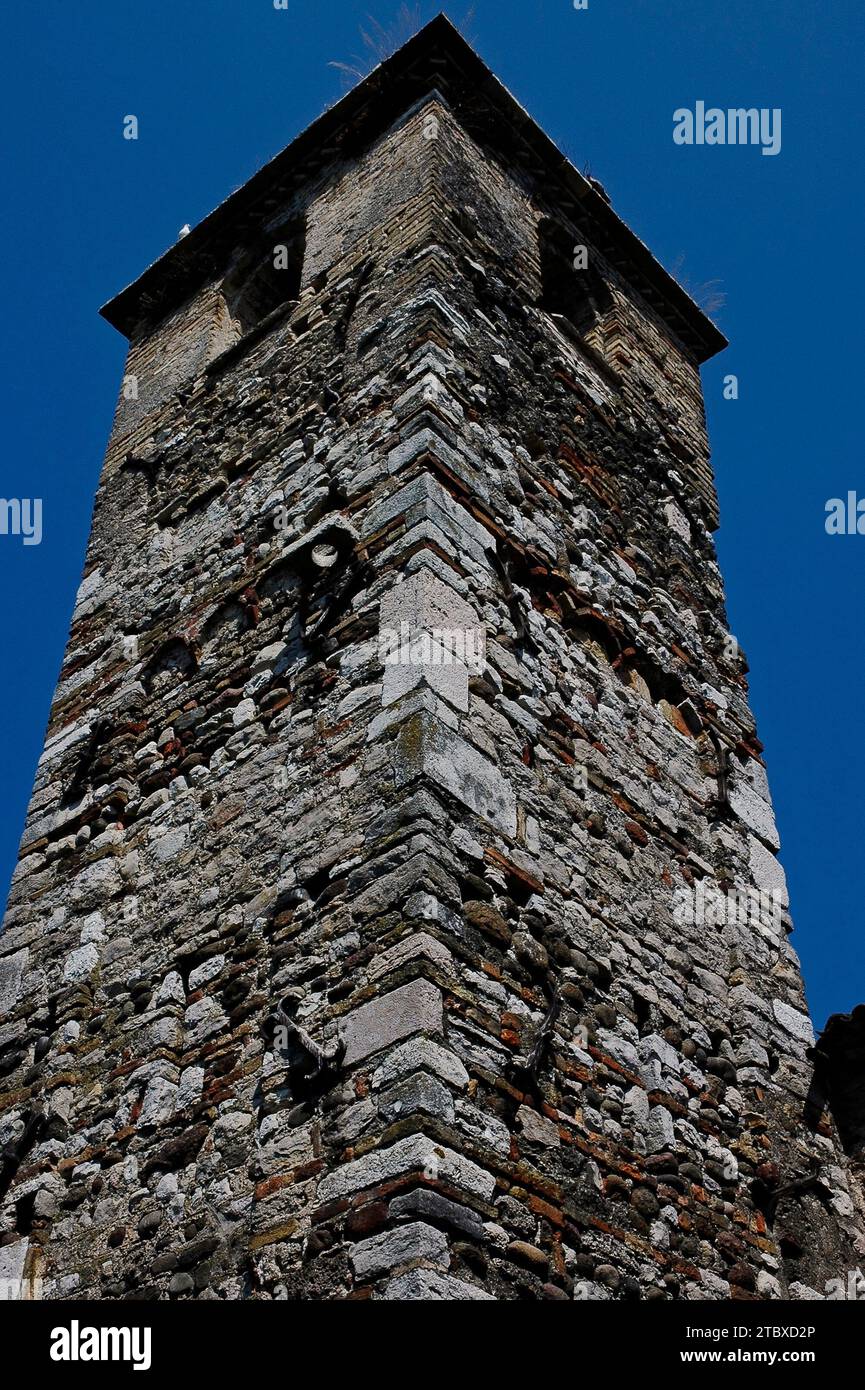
[(219, 86)]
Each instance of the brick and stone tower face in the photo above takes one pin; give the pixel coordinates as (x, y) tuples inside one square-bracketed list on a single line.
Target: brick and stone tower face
[(368, 937)]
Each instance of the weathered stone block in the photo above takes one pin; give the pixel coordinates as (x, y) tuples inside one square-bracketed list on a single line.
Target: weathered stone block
[(413, 1008), (425, 1285), (12, 970), (415, 1241), (427, 748)]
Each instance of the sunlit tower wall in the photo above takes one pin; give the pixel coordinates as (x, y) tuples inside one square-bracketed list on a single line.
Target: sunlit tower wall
[(398, 912)]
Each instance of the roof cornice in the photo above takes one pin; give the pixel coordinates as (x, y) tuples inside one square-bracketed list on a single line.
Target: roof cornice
[(436, 58)]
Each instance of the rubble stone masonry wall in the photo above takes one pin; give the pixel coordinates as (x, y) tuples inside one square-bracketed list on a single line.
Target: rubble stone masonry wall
[(327, 976)]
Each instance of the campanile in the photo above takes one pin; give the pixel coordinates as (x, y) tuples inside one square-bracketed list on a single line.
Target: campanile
[(398, 913)]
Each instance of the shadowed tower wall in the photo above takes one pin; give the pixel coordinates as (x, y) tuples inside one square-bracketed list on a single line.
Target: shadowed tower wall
[(365, 939)]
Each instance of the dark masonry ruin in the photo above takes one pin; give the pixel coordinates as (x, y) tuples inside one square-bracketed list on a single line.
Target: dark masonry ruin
[(328, 976)]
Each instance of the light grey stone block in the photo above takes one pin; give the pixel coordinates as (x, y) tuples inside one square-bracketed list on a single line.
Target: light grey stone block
[(12, 970), (756, 813), (416, 1154), (425, 1285), (767, 872), (426, 747), (415, 1241), (410, 948), (80, 963), (794, 1022), (448, 678), (421, 1054), (413, 1008), (659, 1131), (424, 602), (13, 1259), (420, 1093)]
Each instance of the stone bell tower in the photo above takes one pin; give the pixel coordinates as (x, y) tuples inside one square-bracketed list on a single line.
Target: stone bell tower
[(398, 913)]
